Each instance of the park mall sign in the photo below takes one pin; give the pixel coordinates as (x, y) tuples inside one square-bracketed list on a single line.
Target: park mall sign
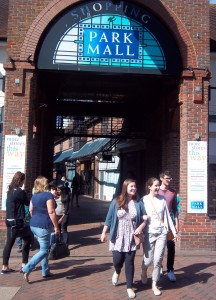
[(111, 37)]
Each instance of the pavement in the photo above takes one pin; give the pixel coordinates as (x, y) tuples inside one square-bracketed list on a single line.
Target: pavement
[(86, 274)]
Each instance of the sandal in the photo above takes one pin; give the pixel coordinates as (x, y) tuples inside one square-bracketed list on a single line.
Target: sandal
[(131, 293), (26, 277), (156, 291)]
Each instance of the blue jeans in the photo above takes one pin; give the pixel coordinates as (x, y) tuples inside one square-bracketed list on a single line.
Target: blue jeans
[(43, 237), (19, 242)]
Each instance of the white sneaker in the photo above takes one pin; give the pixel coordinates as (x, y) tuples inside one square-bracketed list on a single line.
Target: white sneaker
[(131, 294), (115, 278), (171, 276), (161, 272)]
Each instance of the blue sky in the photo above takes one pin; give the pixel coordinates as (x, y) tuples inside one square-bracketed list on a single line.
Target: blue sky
[(212, 1)]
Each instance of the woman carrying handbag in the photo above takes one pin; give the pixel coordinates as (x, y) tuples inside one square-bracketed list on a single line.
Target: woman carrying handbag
[(156, 232), (124, 220), (43, 221), (62, 211)]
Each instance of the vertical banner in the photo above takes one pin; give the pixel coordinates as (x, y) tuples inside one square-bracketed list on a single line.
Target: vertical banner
[(197, 177), (14, 160)]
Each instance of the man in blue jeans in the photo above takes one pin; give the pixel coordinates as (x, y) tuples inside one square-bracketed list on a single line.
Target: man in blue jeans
[(19, 244), (171, 199)]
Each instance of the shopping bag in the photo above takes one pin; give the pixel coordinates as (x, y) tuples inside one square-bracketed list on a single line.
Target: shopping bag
[(58, 249)]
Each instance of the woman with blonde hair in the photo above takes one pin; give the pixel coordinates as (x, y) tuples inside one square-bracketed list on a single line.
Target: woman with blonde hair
[(124, 220), (43, 221)]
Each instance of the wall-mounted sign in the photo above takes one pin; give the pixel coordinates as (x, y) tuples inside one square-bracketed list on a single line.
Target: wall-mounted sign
[(111, 37), (197, 177), (14, 160)]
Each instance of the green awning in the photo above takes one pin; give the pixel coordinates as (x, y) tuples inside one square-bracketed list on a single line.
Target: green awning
[(62, 156), (90, 148)]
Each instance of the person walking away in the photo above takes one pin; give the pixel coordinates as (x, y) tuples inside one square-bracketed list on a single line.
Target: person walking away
[(67, 188), (155, 232), (76, 188), (125, 218), (171, 199), (15, 213), (62, 211), (43, 221)]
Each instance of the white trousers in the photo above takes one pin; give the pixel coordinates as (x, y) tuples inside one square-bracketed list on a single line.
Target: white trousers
[(153, 250)]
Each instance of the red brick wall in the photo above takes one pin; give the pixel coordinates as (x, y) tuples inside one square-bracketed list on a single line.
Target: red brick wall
[(189, 23)]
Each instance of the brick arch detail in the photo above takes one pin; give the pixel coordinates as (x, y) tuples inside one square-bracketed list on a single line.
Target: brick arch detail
[(171, 20)]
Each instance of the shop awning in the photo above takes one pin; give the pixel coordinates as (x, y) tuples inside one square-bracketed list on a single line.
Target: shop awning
[(90, 148), (62, 156)]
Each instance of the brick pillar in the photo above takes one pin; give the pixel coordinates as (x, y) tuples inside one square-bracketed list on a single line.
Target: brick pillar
[(19, 112), (197, 230)]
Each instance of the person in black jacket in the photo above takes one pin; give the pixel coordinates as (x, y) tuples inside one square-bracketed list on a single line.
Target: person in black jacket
[(76, 188), (15, 220)]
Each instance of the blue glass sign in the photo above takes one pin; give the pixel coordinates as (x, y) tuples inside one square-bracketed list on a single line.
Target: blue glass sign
[(109, 37), (111, 43)]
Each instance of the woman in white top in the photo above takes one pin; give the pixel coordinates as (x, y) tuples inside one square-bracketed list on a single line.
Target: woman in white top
[(159, 223), (62, 211)]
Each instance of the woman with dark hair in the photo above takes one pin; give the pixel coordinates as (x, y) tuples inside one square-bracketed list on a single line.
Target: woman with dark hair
[(156, 232), (15, 219), (62, 210), (124, 220), (43, 220)]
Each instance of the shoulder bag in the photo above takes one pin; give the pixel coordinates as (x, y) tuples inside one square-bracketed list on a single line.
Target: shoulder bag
[(138, 238), (58, 248), (170, 235)]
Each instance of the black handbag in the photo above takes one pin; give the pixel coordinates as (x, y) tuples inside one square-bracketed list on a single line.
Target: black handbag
[(58, 249)]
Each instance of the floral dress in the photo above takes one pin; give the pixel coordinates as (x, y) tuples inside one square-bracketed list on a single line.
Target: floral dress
[(124, 238)]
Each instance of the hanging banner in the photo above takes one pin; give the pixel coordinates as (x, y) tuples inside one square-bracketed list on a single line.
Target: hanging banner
[(14, 160), (197, 177)]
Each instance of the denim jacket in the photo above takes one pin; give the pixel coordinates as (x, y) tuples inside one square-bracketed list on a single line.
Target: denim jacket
[(112, 219)]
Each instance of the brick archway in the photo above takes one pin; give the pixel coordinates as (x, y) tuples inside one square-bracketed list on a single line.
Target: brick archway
[(55, 7)]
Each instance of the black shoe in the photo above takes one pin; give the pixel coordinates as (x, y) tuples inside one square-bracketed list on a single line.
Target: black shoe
[(48, 275), (7, 271)]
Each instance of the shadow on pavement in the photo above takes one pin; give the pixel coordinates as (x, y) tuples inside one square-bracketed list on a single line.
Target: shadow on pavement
[(84, 237), (90, 211)]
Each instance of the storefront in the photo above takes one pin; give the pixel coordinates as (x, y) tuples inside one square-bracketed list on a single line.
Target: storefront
[(141, 64)]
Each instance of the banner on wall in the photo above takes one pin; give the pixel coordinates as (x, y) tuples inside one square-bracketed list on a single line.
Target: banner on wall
[(14, 160), (197, 177)]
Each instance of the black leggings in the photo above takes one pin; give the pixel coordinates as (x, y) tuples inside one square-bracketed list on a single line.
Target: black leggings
[(26, 235), (170, 255), (63, 228), (119, 258)]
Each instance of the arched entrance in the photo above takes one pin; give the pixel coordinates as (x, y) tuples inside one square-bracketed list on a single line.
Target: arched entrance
[(111, 61), (143, 105)]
